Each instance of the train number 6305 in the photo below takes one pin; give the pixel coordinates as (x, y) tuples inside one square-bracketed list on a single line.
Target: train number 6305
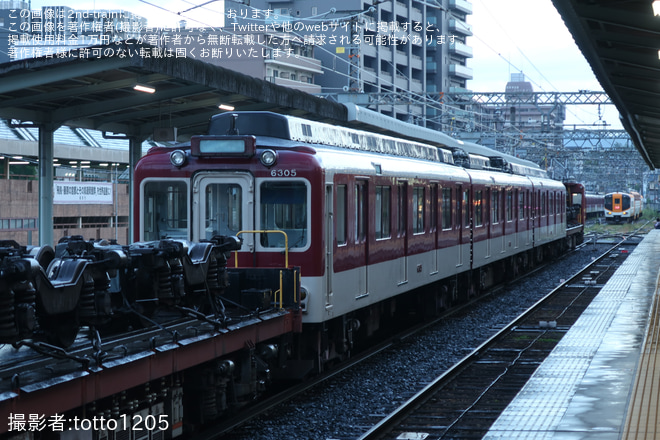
[(283, 173)]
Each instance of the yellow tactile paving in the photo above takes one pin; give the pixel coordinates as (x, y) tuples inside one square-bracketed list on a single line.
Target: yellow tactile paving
[(584, 389), (642, 421)]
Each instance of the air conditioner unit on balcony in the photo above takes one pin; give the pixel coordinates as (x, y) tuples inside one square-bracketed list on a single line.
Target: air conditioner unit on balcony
[(165, 134)]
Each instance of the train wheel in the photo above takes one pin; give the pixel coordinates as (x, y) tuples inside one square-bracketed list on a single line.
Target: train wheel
[(61, 330)]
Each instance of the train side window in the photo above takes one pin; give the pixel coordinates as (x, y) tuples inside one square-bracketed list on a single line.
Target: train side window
[(340, 215), (165, 210), (284, 207), (418, 207), (543, 202), (360, 212), (383, 211), (521, 205), (509, 205), (553, 206), (478, 208), (495, 206), (446, 208)]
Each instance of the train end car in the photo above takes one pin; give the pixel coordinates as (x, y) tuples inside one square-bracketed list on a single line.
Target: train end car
[(623, 206)]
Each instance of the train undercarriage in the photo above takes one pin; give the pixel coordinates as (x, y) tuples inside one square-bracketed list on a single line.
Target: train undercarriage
[(169, 378)]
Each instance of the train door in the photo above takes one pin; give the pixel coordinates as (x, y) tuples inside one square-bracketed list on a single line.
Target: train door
[(433, 227), (402, 228), (460, 222), (516, 217), (361, 242), (504, 198), (466, 231), (489, 220), (329, 242), (529, 226), (226, 206)]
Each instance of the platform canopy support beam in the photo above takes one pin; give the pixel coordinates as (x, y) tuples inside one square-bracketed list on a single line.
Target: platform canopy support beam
[(46, 154)]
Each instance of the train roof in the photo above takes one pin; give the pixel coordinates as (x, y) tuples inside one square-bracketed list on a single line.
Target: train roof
[(274, 125), (437, 138)]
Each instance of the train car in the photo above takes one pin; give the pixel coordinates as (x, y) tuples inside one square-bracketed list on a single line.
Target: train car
[(368, 218), (269, 249), (623, 206), (582, 205), (595, 205)]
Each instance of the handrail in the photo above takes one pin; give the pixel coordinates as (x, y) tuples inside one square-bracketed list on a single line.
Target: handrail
[(265, 231)]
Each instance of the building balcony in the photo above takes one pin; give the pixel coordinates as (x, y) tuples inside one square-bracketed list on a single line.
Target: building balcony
[(311, 65), (460, 71), (297, 85), (402, 82), (416, 62), (460, 27), (461, 5), (416, 15), (461, 49), (458, 90)]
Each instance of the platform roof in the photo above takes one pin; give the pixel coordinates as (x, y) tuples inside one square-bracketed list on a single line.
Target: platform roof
[(620, 40), (94, 89)]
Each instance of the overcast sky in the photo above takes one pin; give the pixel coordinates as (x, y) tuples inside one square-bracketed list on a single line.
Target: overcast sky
[(529, 36), (510, 36)]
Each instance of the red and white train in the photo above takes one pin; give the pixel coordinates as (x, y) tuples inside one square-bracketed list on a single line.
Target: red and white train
[(343, 235), (371, 220)]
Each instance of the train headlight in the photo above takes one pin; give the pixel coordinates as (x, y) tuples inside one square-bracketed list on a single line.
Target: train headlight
[(268, 158), (304, 296), (178, 158)]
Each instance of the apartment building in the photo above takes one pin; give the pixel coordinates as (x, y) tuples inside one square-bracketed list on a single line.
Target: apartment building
[(397, 57)]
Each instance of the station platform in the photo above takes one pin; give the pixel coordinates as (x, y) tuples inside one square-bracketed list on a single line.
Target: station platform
[(603, 379)]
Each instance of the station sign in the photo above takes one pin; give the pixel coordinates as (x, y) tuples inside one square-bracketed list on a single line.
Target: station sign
[(74, 193)]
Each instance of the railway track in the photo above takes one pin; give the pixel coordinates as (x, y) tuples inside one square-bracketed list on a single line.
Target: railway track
[(465, 400), (226, 429)]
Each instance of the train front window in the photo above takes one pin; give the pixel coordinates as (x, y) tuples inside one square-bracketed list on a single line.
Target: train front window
[(625, 202), (165, 210), (284, 207), (223, 209)]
